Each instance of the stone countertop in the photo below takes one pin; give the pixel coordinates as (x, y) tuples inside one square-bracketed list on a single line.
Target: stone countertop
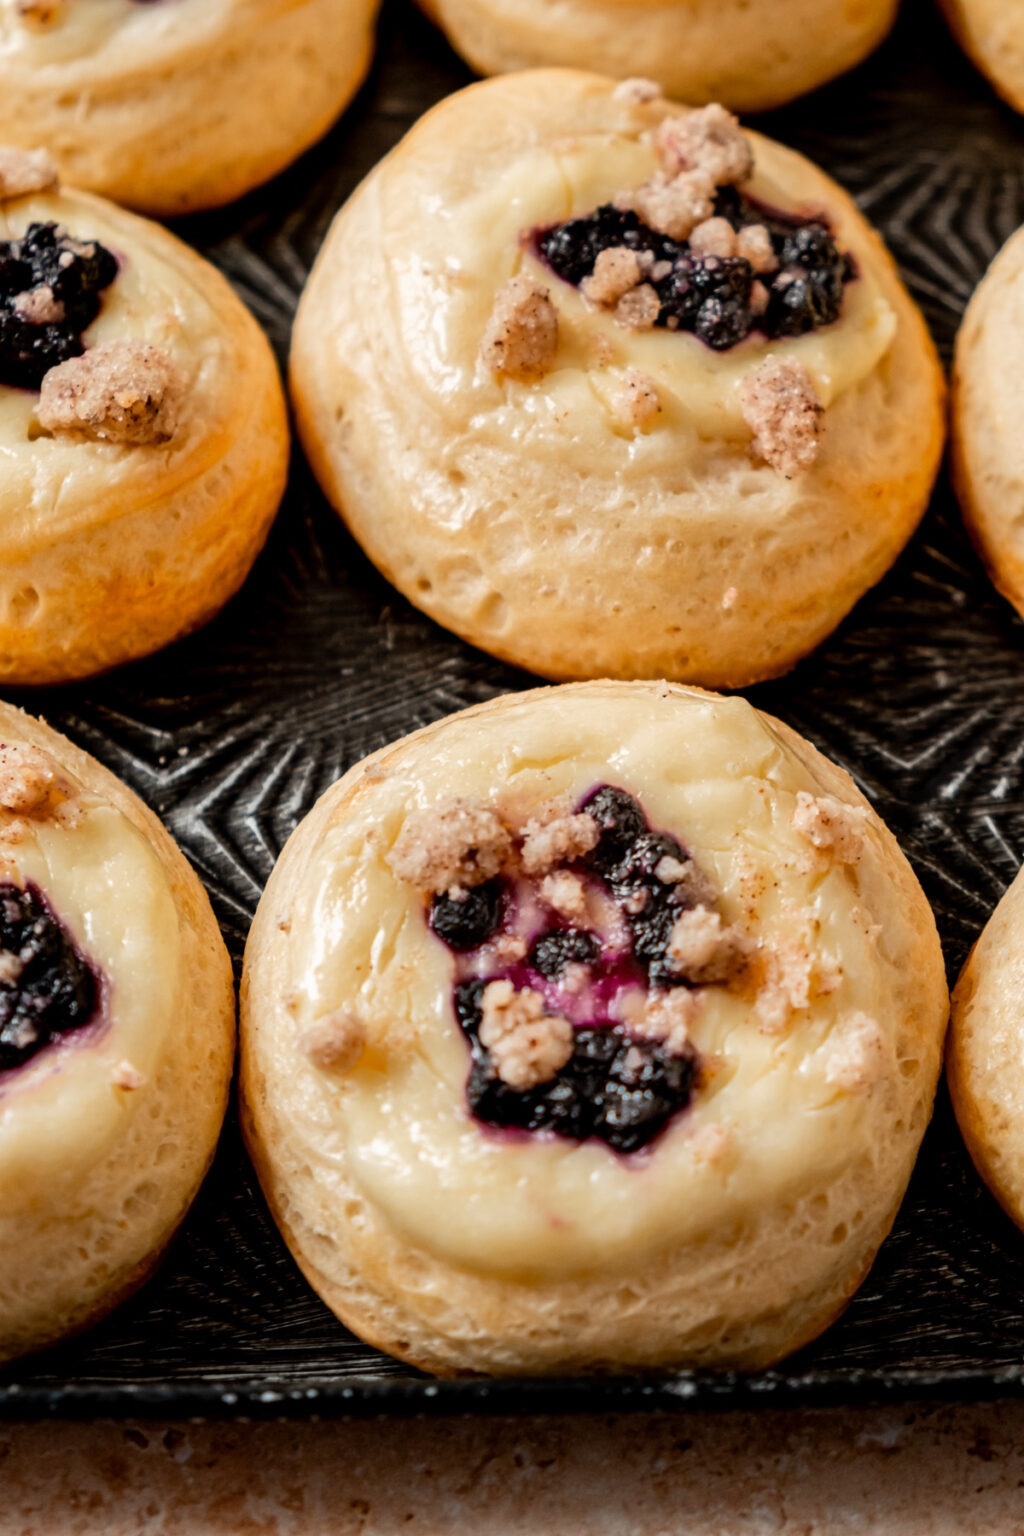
[(910, 1471)]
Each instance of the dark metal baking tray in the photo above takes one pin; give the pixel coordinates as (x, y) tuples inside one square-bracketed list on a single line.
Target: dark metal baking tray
[(232, 734)]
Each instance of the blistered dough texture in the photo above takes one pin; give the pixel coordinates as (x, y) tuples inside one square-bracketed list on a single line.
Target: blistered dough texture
[(992, 32), (744, 1228), (750, 54), (110, 550), (536, 519), (988, 409), (106, 1134), (986, 1051), (183, 104)]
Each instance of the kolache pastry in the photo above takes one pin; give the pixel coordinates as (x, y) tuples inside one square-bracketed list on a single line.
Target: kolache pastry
[(594, 1027), (992, 33), (116, 1037), (143, 430), (986, 1080), (612, 388), (174, 105), (987, 419), (749, 54)]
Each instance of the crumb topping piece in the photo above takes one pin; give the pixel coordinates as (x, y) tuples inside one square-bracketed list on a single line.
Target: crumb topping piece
[(39, 306), (671, 205), (128, 1077), (754, 244), (637, 401), (558, 840), (782, 409), (25, 171), (637, 91), (638, 309), (528, 1046), (704, 949), (792, 977), (521, 337), (709, 141), (451, 849), (859, 1057), (336, 1040), (564, 893), (668, 1017), (125, 392), (831, 826), (616, 271), (715, 237), (31, 784)]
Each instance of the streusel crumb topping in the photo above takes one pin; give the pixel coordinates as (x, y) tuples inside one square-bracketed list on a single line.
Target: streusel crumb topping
[(521, 337), (782, 409), (126, 392)]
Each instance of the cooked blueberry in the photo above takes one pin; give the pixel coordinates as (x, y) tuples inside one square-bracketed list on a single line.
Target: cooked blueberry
[(720, 324), (553, 951), (638, 867), (620, 821), (469, 921), (645, 1086), (48, 988), (75, 272), (810, 246)]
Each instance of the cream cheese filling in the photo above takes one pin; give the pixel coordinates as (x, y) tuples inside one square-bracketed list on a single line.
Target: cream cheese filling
[(62, 1111), (444, 309), (538, 1206)]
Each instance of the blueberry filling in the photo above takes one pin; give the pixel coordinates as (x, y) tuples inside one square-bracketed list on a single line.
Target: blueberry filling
[(619, 1089), (616, 1086), (713, 296), (76, 273), (46, 986)]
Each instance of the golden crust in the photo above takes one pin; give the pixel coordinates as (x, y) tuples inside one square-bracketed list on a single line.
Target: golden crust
[(983, 1057), (172, 113), (992, 33), (63, 1268), (751, 56), (987, 458), (109, 551), (744, 1294), (528, 518)]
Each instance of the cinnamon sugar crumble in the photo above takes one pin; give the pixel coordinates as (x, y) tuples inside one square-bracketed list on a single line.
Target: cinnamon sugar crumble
[(638, 309), (528, 1046), (564, 893), (124, 1075), (709, 140), (616, 271), (754, 244), (637, 401), (32, 786), (521, 336), (37, 306), (558, 840), (11, 967), (859, 1057), (25, 171), (783, 411), (335, 1040), (121, 391), (793, 975), (831, 826), (671, 205), (715, 237), (637, 91), (668, 1017), (703, 949), (451, 849)]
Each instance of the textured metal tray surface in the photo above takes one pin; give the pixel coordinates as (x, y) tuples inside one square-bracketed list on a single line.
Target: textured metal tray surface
[(232, 734)]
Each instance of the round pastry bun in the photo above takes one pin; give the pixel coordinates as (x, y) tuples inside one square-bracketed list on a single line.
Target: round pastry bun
[(743, 1229), (749, 54), (175, 107), (991, 32), (987, 411), (526, 516), (105, 1136), (983, 1059), (110, 550)]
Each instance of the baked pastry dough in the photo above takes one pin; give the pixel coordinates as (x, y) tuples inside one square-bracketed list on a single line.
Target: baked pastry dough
[(750, 54), (987, 416), (984, 1055), (562, 486), (139, 484), (180, 104), (992, 32), (116, 1037), (726, 915)]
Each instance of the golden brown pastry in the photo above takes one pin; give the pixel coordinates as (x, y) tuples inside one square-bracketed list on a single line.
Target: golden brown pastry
[(174, 105), (750, 54), (988, 416), (116, 1037), (142, 426), (984, 1056), (992, 32), (611, 388), (592, 1028)]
